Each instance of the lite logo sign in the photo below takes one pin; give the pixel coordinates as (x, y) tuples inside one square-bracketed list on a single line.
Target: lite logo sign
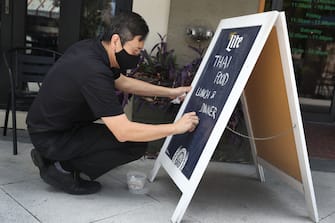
[(234, 42)]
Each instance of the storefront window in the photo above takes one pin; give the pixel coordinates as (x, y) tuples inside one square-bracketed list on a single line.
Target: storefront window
[(311, 26), (42, 23), (97, 14)]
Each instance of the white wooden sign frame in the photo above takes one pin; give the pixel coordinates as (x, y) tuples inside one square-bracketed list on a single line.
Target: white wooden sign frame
[(267, 21)]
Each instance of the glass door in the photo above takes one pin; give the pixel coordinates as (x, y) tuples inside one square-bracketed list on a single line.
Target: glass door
[(311, 26), (95, 15), (42, 23)]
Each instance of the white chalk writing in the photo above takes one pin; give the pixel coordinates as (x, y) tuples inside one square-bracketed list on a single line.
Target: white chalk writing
[(209, 110), (213, 94), (221, 78), (203, 93), (222, 62)]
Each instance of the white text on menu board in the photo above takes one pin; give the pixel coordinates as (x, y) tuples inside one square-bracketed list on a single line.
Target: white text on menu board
[(221, 62)]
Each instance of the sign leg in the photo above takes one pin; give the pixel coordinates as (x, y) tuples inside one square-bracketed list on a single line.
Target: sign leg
[(181, 207), (259, 168)]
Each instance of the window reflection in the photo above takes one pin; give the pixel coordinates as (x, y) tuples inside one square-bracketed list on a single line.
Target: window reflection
[(95, 15), (311, 26), (42, 23)]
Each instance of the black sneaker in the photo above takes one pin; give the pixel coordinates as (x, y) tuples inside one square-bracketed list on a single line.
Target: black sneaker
[(70, 183), (39, 161)]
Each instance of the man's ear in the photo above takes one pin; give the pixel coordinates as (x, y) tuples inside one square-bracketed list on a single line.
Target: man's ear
[(115, 40)]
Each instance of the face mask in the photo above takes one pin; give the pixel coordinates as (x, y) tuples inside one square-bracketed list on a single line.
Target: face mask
[(126, 61)]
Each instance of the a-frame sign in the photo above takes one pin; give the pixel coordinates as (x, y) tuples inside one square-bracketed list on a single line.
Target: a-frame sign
[(248, 58)]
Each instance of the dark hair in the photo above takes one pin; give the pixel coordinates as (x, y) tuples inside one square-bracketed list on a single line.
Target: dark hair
[(127, 25)]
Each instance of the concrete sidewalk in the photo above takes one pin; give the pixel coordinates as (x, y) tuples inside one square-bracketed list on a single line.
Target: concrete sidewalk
[(227, 193)]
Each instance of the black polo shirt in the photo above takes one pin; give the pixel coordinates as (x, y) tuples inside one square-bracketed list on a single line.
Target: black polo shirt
[(78, 89)]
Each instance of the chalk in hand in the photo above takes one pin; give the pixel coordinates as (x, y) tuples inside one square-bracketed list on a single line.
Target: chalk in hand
[(177, 99)]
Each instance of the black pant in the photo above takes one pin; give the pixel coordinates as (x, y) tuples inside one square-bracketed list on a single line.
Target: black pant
[(91, 149)]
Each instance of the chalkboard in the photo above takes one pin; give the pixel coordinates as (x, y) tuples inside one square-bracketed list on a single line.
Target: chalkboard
[(247, 54), (211, 93)]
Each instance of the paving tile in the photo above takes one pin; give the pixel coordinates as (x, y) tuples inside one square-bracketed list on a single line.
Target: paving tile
[(224, 197), (51, 205), (150, 213), (227, 193), (324, 186), (12, 212), (15, 168), (328, 219)]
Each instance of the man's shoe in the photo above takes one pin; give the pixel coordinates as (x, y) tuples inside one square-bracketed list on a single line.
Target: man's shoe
[(37, 158), (70, 183), (38, 161)]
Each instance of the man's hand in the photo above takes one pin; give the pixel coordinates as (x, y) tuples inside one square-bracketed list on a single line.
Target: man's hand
[(187, 123), (178, 94)]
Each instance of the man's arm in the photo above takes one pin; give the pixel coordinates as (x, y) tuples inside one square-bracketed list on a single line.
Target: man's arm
[(125, 130), (142, 88)]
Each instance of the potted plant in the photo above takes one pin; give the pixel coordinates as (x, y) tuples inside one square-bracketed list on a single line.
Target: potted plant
[(160, 67)]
